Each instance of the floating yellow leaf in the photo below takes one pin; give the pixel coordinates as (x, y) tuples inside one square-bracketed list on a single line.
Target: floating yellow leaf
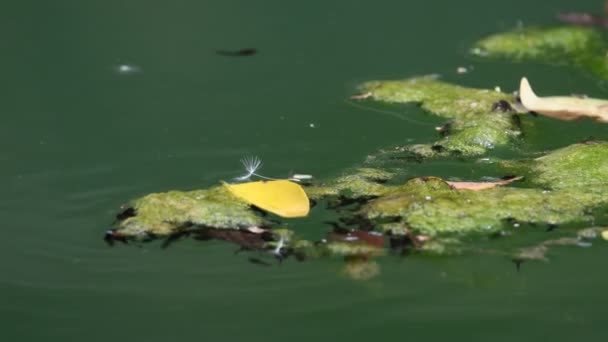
[(605, 235), (562, 107), (280, 197)]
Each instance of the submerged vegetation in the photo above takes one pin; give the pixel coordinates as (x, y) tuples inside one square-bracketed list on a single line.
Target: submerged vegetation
[(382, 210)]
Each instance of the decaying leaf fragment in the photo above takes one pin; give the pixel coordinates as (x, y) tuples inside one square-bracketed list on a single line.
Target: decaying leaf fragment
[(477, 186), (583, 19), (563, 107)]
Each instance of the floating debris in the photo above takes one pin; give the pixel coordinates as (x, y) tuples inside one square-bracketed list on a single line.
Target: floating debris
[(361, 96), (394, 210), (281, 197), (127, 69), (462, 70), (238, 53), (474, 127), (301, 178), (563, 107), (579, 47), (478, 186), (583, 19)]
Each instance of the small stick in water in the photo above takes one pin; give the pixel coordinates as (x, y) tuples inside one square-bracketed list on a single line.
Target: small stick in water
[(237, 53)]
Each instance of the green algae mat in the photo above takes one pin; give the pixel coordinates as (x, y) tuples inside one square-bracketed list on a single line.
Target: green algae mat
[(382, 208)]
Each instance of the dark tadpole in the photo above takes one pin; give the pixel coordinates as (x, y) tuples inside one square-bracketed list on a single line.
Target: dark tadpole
[(238, 53)]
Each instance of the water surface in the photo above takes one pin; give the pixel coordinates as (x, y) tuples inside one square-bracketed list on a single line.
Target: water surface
[(78, 138)]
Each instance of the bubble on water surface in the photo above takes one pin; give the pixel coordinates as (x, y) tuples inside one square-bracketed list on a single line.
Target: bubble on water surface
[(127, 69)]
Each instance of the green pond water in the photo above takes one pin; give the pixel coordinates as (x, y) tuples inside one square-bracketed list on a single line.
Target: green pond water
[(79, 137)]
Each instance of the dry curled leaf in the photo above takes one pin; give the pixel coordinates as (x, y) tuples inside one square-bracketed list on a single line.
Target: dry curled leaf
[(563, 107)]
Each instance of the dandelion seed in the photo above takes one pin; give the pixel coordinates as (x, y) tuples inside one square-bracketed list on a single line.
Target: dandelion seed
[(251, 164)]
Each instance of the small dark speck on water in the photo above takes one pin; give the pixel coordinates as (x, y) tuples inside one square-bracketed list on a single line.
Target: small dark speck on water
[(238, 53)]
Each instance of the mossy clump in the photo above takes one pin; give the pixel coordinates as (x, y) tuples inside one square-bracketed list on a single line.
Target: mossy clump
[(431, 207), (565, 45), (163, 214), (475, 124), (567, 185), (350, 249), (582, 166), (361, 183)]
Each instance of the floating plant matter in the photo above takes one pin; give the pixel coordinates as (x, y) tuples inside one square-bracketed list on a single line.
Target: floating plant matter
[(585, 19), (579, 47), (475, 125), (403, 209), (563, 107), (281, 197)]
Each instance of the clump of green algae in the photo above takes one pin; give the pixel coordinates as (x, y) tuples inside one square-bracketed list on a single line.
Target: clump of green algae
[(473, 127), (162, 214), (573, 179), (583, 48), (583, 166), (566, 184), (360, 183)]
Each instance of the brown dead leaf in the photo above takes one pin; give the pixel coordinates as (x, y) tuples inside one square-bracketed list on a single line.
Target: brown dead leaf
[(563, 107), (477, 186), (583, 19)]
